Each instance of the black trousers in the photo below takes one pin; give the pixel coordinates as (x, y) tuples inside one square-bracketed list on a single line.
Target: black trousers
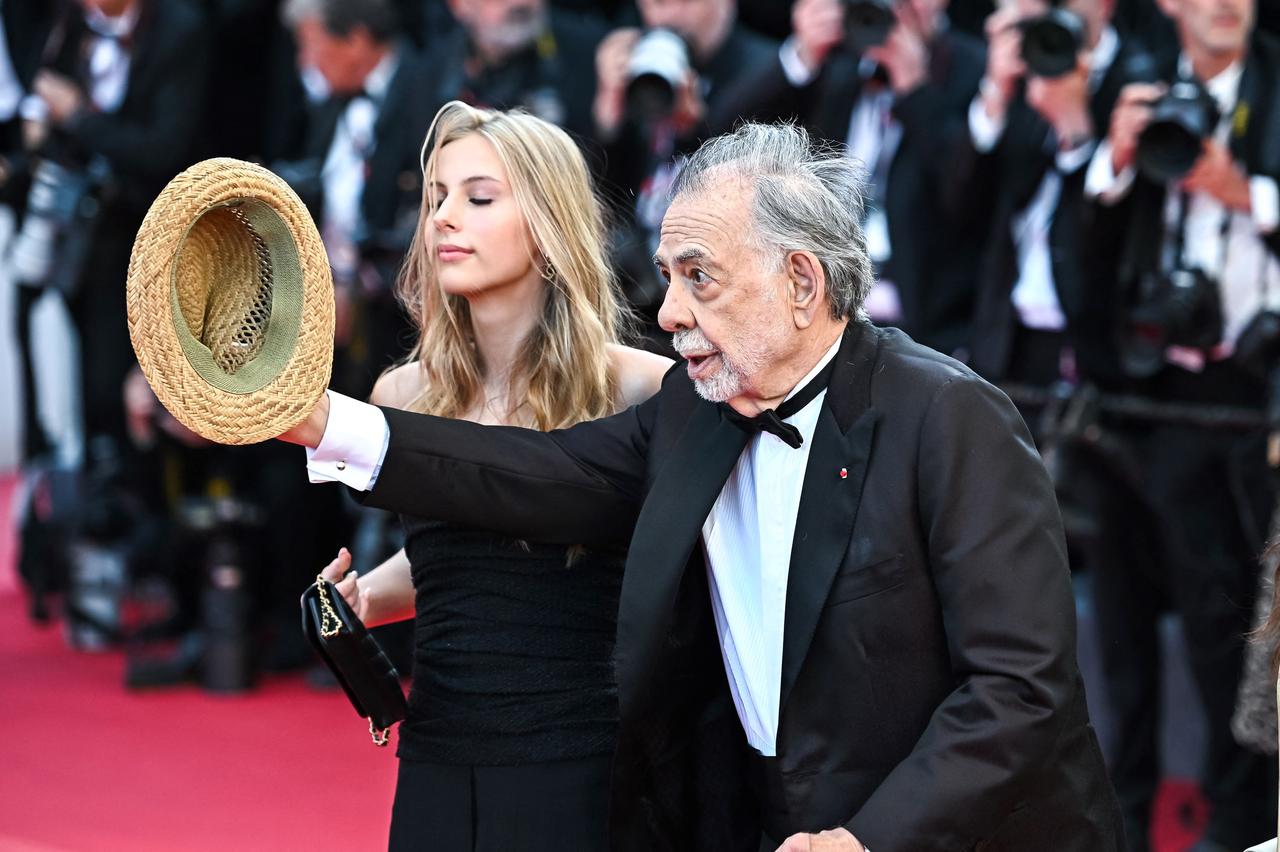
[(540, 806), (1182, 513)]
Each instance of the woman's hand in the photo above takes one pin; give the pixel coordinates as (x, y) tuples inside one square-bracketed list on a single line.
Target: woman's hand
[(347, 582)]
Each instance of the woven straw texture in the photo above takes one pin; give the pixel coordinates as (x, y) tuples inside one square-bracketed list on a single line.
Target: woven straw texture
[(230, 303)]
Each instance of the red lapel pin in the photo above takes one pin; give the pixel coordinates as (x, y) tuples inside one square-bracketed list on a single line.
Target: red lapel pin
[(844, 473)]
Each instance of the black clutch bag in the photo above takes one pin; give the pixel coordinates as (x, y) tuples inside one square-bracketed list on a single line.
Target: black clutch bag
[(355, 658)]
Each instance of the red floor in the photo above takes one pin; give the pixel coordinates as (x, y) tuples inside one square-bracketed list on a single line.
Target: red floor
[(85, 765)]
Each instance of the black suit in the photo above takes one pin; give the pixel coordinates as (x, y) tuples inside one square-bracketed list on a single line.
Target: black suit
[(389, 206), (1016, 168), (930, 697), (934, 251), (1183, 510), (145, 142)]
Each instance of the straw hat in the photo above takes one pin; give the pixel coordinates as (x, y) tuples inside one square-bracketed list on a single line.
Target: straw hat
[(230, 303)]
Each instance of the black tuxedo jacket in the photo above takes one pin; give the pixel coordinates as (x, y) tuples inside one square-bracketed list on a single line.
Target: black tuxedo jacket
[(930, 697), (1015, 168), (1125, 240), (392, 194), (935, 250), (151, 136)]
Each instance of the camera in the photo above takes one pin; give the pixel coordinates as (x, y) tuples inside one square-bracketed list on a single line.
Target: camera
[(658, 67), (1180, 122), (1183, 308), (867, 23), (49, 248), (1051, 42)]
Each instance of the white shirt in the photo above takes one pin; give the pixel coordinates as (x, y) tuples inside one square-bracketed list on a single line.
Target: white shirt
[(1035, 295), (1250, 280), (108, 63), (747, 537), (343, 172)]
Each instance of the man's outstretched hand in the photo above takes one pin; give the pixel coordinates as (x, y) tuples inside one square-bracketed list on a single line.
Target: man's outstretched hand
[(835, 840), (309, 432)]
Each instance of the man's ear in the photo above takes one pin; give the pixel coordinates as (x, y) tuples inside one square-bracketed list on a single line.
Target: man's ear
[(806, 287)]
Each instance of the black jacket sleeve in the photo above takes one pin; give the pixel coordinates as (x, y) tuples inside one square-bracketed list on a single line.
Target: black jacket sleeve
[(999, 564), (581, 485)]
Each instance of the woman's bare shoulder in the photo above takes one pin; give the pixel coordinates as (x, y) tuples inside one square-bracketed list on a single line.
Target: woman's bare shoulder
[(639, 373), (399, 386)]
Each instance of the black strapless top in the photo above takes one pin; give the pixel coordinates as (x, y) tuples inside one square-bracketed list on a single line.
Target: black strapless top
[(513, 649)]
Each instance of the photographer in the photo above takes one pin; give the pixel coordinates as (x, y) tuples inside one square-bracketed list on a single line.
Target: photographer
[(1185, 227), (1053, 75), (891, 81), (112, 116), (520, 53), (660, 91), (359, 169)]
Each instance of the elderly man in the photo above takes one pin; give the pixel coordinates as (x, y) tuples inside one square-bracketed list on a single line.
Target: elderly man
[(846, 620)]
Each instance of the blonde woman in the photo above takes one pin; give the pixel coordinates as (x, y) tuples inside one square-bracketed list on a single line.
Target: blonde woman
[(512, 710)]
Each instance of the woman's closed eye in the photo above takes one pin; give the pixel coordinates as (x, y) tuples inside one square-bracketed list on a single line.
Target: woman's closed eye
[(481, 202)]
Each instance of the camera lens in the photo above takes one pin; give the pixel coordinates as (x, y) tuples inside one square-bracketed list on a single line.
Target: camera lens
[(867, 23), (1051, 42), (1180, 122), (658, 67)]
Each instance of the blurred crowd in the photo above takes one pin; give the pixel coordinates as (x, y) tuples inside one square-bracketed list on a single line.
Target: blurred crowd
[(1077, 198)]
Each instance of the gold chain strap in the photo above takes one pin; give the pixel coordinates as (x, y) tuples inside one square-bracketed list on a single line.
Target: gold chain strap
[(381, 736), (330, 624)]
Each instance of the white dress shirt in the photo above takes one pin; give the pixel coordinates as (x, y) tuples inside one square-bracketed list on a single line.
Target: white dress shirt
[(108, 63), (1249, 280), (747, 537), (1035, 294), (343, 172)]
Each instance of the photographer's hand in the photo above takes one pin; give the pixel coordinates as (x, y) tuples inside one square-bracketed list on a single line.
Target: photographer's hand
[(905, 53), (1064, 102), (62, 96), (818, 26), (1218, 174), (1130, 117), (1004, 62), (613, 57)]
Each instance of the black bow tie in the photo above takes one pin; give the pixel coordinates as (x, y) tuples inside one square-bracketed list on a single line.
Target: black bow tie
[(773, 421)]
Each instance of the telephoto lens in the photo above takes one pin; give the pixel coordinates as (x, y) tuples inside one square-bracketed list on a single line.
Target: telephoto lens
[(1173, 140), (867, 23), (658, 67), (1051, 42)]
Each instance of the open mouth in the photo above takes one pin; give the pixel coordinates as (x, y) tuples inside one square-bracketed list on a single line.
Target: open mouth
[(701, 363)]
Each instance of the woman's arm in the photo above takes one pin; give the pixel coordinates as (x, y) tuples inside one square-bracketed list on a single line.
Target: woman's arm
[(382, 596)]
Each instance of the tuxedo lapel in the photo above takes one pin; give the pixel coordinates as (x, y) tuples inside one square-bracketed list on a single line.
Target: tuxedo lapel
[(666, 532), (830, 496)]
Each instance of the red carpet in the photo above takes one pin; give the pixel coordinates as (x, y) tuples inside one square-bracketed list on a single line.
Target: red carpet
[(85, 765)]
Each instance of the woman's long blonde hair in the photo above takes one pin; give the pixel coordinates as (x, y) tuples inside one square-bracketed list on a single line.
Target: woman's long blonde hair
[(563, 371)]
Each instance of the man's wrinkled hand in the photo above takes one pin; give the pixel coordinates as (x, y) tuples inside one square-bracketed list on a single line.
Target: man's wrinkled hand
[(833, 840), (309, 432)]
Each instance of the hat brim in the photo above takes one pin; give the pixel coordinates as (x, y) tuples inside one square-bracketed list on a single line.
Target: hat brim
[(277, 388)]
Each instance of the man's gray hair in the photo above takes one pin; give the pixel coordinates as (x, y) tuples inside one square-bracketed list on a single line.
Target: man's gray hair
[(340, 17), (808, 197)]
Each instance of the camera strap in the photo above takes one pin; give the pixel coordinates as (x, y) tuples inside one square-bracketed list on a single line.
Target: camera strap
[(1180, 237)]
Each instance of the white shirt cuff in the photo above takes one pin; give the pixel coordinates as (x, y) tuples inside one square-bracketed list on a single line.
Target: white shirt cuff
[(798, 74), (1103, 184), (1071, 161), (984, 130), (353, 445), (1264, 198)]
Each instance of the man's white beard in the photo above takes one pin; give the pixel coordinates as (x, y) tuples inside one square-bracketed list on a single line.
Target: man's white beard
[(727, 382)]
